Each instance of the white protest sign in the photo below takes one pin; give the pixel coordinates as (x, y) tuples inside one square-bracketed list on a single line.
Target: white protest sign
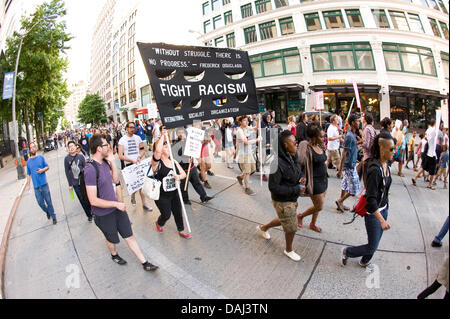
[(152, 111), (320, 104), (355, 87), (194, 140), (134, 175)]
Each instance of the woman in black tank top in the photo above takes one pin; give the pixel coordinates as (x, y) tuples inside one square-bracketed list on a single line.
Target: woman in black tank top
[(169, 201)]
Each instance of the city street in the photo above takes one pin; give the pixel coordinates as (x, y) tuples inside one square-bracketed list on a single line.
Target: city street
[(226, 258)]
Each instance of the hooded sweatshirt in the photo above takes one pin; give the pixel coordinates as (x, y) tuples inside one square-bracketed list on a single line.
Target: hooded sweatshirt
[(284, 183)]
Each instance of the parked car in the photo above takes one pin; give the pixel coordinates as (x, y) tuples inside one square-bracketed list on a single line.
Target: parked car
[(49, 144)]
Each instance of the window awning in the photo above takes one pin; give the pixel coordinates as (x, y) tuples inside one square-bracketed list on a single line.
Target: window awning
[(415, 92), (346, 88), (280, 88)]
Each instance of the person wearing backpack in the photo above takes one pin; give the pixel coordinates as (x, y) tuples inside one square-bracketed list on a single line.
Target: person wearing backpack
[(379, 181), (74, 164), (109, 213)]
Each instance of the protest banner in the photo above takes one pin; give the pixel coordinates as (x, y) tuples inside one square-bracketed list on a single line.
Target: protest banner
[(194, 140), (8, 85), (199, 83), (320, 104), (134, 175)]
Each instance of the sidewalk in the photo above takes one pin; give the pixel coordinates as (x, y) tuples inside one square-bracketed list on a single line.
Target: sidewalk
[(10, 188)]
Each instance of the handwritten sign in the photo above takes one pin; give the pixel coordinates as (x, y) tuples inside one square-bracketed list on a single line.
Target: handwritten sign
[(320, 104), (152, 111), (194, 140), (134, 175)]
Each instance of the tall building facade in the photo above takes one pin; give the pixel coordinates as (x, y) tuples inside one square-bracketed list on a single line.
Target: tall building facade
[(396, 51), (78, 93), (100, 74)]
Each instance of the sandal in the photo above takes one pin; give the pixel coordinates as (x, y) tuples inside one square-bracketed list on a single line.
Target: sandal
[(301, 218), (413, 181), (339, 207), (315, 228), (431, 187)]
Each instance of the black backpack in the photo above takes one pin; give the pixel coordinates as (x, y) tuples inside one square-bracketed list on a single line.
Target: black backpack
[(83, 191)]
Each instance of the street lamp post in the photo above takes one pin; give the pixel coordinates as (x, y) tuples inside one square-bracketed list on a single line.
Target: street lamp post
[(20, 169)]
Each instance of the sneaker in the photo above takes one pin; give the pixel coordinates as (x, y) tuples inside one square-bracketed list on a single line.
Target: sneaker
[(264, 234), (54, 221), (206, 184), (148, 208), (436, 244), (293, 255), (210, 173), (344, 257), (133, 202), (250, 192), (207, 199), (239, 179), (149, 267), (119, 260), (48, 216), (90, 219), (187, 202), (159, 229)]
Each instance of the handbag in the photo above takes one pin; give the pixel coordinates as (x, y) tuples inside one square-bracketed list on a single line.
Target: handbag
[(152, 186)]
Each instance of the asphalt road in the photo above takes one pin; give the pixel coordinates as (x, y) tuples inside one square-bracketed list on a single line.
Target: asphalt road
[(225, 257)]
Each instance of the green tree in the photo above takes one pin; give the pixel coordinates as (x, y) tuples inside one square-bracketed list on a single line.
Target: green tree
[(65, 124), (92, 110), (42, 63)]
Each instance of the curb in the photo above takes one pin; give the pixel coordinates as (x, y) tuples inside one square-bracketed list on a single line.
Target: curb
[(4, 243)]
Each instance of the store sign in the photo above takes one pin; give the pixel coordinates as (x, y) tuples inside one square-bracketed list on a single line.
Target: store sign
[(319, 99), (141, 111), (336, 81), (8, 85), (187, 80)]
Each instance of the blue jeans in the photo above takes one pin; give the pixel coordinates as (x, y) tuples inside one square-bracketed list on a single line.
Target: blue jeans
[(442, 233), (44, 200), (374, 233), (86, 206)]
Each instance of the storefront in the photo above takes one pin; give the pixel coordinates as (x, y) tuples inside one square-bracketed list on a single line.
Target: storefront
[(340, 97), (285, 101), (415, 105)]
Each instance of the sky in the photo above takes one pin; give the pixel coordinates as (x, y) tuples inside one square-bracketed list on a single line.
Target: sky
[(82, 16)]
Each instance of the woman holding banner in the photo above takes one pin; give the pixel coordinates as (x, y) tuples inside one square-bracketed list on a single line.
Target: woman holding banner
[(169, 201)]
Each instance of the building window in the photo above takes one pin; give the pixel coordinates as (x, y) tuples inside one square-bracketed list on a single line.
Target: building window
[(131, 83), (231, 42), (333, 19), (215, 4), (250, 35), (410, 59), (123, 100), (133, 96), (399, 20), (287, 26), (228, 17), (445, 65), (354, 18), (342, 56), (207, 26), (444, 29), (246, 10), (416, 24), (131, 42), (122, 88), (131, 29), (219, 43), (268, 30), (131, 55), (206, 8), (225, 2), (263, 5), (443, 8), (435, 27), (218, 22), (313, 21), (424, 3), (145, 95), (281, 3), (381, 20), (276, 63), (131, 68), (433, 4)]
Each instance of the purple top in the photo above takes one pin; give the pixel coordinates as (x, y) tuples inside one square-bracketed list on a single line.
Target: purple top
[(105, 185)]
